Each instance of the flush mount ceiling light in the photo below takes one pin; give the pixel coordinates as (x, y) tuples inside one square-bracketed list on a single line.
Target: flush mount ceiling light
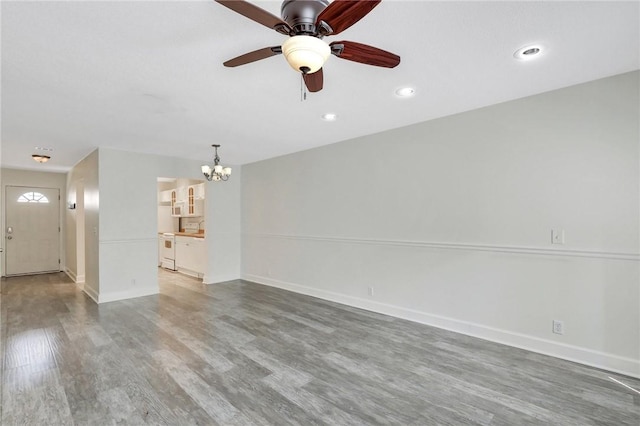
[(41, 158), (528, 52), (330, 117), (405, 92), (305, 53), (218, 172)]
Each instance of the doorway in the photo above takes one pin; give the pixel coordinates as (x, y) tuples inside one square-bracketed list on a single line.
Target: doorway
[(32, 219)]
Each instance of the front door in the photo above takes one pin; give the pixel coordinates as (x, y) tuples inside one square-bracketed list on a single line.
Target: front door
[(32, 230)]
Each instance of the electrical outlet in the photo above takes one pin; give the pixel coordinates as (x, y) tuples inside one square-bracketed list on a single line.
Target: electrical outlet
[(370, 291), (557, 236), (558, 327)]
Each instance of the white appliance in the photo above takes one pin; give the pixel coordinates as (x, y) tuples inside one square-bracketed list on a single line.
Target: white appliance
[(169, 251), (178, 209)]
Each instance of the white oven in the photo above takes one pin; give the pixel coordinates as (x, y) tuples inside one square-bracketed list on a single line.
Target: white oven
[(169, 251)]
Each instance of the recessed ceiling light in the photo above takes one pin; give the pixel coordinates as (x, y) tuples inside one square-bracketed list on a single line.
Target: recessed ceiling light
[(406, 92), (330, 116), (528, 52)]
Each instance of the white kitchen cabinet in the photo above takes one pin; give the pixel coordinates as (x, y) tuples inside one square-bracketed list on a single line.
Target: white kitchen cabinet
[(175, 206), (199, 191), (194, 205), (181, 194), (191, 255)]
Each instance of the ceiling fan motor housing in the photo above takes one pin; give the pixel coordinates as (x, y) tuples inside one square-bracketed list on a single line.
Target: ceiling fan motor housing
[(301, 15)]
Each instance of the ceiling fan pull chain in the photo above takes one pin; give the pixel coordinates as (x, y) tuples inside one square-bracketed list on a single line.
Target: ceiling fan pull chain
[(303, 89)]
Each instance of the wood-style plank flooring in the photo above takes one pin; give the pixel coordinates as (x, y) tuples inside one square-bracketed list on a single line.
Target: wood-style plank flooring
[(244, 354)]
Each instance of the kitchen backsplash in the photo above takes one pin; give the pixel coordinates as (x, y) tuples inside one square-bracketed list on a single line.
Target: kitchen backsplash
[(192, 220)]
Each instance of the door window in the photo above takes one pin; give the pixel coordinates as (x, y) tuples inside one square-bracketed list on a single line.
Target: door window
[(33, 197)]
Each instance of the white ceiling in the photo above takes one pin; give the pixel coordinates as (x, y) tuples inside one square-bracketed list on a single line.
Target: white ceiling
[(148, 76)]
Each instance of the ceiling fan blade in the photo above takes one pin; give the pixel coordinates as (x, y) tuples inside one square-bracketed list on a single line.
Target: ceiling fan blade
[(358, 52), (256, 55), (314, 81), (341, 14), (257, 14)]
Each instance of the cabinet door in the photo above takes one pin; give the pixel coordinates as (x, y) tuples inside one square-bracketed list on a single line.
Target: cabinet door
[(199, 255), (191, 201), (199, 191), (182, 254), (174, 200), (181, 193), (191, 254), (198, 208)]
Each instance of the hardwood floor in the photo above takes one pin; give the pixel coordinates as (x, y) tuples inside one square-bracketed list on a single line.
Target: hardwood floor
[(245, 354)]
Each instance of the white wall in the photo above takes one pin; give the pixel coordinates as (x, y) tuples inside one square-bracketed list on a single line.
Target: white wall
[(449, 221), (223, 223), (18, 177), (84, 266), (128, 222)]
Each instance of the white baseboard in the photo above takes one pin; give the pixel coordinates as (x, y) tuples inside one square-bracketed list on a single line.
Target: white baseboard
[(606, 361), (90, 292), (78, 279), (70, 274), (190, 273), (128, 294), (219, 279)]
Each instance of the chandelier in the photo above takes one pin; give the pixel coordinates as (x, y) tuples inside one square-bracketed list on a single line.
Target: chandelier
[(218, 172)]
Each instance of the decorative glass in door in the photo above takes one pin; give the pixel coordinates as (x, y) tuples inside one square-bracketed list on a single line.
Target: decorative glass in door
[(192, 205)]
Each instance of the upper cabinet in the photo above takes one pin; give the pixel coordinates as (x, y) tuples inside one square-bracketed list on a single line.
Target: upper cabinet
[(182, 193), (185, 200), (199, 191), (191, 201), (176, 206)]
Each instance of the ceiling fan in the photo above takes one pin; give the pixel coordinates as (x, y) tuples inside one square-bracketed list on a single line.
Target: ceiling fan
[(307, 22)]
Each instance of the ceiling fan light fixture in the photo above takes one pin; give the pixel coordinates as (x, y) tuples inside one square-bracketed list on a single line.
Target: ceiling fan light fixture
[(306, 53), (40, 158)]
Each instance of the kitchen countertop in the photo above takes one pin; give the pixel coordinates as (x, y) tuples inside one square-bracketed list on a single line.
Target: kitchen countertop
[(186, 234), (189, 234)]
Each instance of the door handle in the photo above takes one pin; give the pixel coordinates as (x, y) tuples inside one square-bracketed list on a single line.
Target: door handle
[(9, 237), (9, 230)]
